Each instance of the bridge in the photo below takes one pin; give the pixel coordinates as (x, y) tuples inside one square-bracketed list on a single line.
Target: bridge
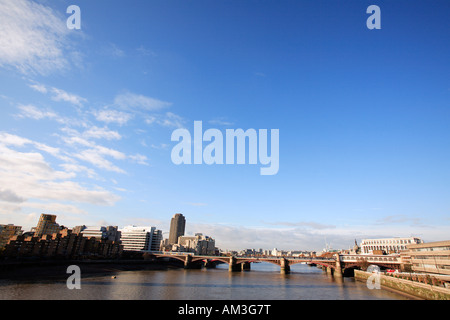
[(337, 265)]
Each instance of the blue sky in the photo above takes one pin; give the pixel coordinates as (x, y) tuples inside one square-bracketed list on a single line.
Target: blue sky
[(87, 116)]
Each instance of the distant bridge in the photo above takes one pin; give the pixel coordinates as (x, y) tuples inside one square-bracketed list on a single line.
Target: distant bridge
[(336, 265)]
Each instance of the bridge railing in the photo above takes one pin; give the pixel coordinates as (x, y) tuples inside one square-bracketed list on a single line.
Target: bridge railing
[(168, 253), (371, 258), (171, 253)]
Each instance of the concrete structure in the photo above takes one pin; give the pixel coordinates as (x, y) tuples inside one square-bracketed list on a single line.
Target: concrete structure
[(7, 231), (177, 228), (145, 239), (387, 245), (432, 257), (425, 288), (47, 225)]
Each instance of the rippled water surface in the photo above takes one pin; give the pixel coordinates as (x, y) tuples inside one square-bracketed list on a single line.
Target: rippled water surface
[(263, 282)]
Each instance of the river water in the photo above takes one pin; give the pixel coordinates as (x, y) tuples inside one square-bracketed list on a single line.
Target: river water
[(263, 282)]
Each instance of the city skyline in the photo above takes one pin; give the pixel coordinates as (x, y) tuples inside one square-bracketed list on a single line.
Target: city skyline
[(47, 225), (87, 117)]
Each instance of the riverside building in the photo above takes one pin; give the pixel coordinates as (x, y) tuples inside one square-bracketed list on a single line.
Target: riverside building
[(140, 238), (198, 244), (46, 225), (431, 257), (7, 231), (387, 245), (100, 232)]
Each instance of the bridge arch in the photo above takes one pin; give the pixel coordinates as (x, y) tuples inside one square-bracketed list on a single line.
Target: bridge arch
[(227, 261), (324, 264), (275, 262), (180, 258)]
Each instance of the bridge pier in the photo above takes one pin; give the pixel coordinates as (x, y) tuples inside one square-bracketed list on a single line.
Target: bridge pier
[(188, 262), (285, 268), (245, 266), (338, 269), (209, 264), (329, 271), (232, 265)]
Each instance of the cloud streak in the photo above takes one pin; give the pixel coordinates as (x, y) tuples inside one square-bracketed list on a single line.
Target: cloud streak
[(33, 37), (59, 94), (138, 102), (29, 176), (313, 225), (235, 237)]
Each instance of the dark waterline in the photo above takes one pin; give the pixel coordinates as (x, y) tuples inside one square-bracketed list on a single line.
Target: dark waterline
[(263, 282)]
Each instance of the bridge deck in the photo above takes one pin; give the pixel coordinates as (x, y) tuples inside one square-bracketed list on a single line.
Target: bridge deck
[(344, 260)]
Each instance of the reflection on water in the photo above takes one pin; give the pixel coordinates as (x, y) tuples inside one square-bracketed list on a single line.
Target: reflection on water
[(263, 282)]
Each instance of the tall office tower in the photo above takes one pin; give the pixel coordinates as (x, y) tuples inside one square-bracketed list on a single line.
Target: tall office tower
[(47, 225), (177, 225)]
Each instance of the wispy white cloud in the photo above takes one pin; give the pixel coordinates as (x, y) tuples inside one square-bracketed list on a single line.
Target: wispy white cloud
[(142, 51), (61, 95), (102, 133), (29, 176), (235, 237), (58, 94), (12, 140), (95, 154), (306, 224), (112, 50), (399, 219), (138, 102), (54, 207), (72, 167), (56, 152), (110, 152), (131, 105), (33, 37), (7, 139), (162, 146), (96, 158), (169, 119), (31, 111), (39, 87), (139, 158), (221, 122), (73, 137), (113, 116), (172, 120)]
